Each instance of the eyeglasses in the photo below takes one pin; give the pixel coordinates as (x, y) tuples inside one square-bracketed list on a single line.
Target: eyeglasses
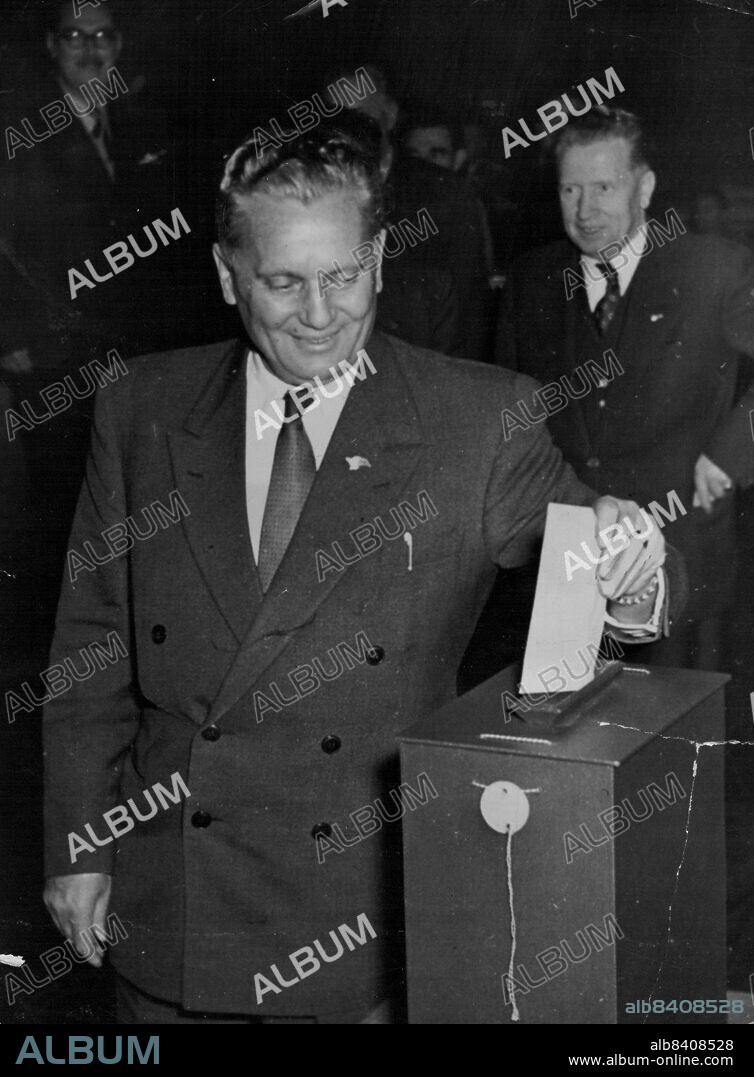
[(76, 39)]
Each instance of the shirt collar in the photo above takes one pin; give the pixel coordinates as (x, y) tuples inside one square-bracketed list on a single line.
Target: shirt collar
[(631, 252), (89, 119), (267, 386)]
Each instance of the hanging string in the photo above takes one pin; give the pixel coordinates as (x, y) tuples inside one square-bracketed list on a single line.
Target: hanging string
[(497, 820), (515, 1016)]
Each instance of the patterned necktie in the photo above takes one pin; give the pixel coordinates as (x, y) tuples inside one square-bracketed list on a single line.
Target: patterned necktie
[(101, 138), (605, 310), (293, 472)]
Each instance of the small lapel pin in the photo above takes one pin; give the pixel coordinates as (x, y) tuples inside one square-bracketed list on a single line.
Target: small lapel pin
[(655, 317), (151, 158), (355, 462), (408, 538)]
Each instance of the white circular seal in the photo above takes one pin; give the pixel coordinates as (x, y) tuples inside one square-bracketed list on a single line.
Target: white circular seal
[(504, 807)]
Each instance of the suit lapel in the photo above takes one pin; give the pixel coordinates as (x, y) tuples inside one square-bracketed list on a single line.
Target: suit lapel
[(547, 315), (209, 464), (380, 423), (575, 312), (79, 153), (654, 304)]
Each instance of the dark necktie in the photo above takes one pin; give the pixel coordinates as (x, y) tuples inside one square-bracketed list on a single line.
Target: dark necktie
[(606, 309), (293, 472), (101, 138)]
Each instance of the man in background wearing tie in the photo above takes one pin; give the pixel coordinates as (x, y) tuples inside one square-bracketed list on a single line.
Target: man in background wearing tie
[(93, 172), (676, 314), (347, 498), (90, 175), (85, 47)]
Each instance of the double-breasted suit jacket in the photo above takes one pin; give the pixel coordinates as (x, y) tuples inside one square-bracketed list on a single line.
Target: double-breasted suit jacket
[(685, 319), (211, 899)]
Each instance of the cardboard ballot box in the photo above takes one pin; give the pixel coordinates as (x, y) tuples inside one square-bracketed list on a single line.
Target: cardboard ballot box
[(617, 876)]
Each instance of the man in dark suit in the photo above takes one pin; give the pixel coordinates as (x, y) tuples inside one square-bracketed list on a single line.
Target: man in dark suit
[(291, 622), (85, 167), (419, 298), (676, 313), (419, 304), (415, 187)]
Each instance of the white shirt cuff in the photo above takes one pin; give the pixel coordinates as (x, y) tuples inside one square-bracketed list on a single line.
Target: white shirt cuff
[(642, 633)]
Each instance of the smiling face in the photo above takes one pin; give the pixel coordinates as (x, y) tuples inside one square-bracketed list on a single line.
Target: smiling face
[(80, 60), (602, 197), (299, 325)]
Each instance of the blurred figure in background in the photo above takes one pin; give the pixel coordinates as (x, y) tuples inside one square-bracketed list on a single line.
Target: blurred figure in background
[(709, 216), (429, 135), (419, 301), (85, 168), (416, 185)]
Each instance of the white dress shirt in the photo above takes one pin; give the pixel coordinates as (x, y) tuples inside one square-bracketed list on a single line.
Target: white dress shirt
[(263, 388), (596, 283)]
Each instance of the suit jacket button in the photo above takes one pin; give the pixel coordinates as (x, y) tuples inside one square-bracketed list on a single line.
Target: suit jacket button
[(158, 633), (211, 733), (330, 744), (375, 655), (201, 819), (321, 828), (592, 462)]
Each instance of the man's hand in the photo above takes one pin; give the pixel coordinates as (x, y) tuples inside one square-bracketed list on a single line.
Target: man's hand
[(711, 483), (76, 903), (633, 562), (16, 362)]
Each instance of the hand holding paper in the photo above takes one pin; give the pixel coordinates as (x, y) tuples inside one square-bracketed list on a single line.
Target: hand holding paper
[(568, 617), (632, 561)]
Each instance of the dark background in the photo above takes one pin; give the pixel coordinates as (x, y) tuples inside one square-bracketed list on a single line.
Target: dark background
[(686, 66), (216, 70)]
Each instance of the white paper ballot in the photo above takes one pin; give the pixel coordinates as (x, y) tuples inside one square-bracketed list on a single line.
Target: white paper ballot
[(569, 614)]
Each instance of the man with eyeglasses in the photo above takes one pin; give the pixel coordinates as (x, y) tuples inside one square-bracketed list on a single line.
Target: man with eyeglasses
[(66, 194), (59, 184), (86, 46), (86, 165)]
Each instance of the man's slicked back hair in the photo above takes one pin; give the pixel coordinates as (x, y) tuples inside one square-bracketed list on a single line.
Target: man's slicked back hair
[(600, 123), (323, 162)]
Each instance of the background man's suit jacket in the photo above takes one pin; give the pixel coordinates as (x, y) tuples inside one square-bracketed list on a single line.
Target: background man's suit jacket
[(59, 207), (689, 313), (206, 909)]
